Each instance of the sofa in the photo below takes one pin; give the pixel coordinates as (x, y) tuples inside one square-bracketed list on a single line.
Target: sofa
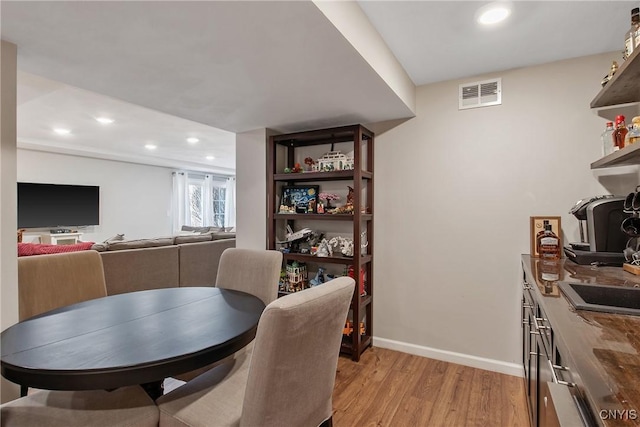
[(136, 265)]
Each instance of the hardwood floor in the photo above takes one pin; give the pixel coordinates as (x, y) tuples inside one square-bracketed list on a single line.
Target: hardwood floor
[(389, 388)]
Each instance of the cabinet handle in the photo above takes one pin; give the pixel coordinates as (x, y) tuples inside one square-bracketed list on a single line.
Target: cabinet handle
[(534, 333), (555, 377), (527, 305), (533, 353), (526, 286)]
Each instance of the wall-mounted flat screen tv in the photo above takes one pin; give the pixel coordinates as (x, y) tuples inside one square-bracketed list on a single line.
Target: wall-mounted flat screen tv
[(53, 205)]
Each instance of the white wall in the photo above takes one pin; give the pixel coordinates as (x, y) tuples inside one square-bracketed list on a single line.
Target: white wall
[(8, 251), (454, 193), (134, 199)]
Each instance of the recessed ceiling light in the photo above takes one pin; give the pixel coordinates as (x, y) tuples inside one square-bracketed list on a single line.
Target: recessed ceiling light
[(150, 146), (192, 140), (62, 131), (104, 120), (210, 158), (493, 13)]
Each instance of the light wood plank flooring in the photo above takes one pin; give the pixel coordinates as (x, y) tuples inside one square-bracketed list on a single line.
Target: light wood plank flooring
[(389, 388)]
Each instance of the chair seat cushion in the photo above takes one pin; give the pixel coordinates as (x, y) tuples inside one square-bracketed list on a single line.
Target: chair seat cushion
[(215, 395), (124, 407)]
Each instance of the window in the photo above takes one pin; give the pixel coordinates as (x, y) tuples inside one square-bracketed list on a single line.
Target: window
[(202, 200)]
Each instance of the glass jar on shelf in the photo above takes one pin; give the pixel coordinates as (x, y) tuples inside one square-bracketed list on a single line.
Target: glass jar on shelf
[(608, 145), (633, 135)]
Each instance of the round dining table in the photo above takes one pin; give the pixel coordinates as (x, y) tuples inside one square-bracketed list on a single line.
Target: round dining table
[(126, 339)]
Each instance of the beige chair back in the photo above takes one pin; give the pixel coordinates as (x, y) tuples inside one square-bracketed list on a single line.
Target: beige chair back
[(51, 281), (253, 271), (295, 357)]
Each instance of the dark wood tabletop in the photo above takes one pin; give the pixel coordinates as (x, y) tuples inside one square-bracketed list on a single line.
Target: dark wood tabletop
[(127, 339)]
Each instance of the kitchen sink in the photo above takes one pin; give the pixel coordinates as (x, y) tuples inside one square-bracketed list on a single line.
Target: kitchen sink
[(604, 298)]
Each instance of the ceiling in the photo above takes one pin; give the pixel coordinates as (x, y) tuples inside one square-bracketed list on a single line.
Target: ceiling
[(165, 71)]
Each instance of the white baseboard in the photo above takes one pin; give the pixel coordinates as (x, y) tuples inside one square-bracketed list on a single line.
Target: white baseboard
[(450, 356)]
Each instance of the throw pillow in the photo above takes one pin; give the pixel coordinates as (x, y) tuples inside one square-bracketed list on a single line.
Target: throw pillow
[(116, 238)]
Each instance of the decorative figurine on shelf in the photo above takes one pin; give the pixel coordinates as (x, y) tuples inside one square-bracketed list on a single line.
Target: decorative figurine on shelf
[(324, 249), (320, 208), (296, 276), (282, 283), (347, 208), (319, 279), (287, 170), (348, 328), (363, 243), (312, 206), (296, 168), (349, 272), (309, 162), (328, 198), (344, 244), (334, 161), (614, 68)]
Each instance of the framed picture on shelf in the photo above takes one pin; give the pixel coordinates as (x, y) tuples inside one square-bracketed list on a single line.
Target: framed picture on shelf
[(299, 199), (537, 226)]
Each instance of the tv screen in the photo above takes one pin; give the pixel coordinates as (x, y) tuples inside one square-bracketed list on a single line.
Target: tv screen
[(53, 205)]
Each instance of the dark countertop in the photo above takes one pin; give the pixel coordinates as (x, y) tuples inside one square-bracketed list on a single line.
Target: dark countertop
[(603, 348)]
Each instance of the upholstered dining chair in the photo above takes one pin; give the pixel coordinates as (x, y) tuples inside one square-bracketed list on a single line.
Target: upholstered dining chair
[(288, 378), (51, 281), (124, 407), (256, 272), (47, 282)]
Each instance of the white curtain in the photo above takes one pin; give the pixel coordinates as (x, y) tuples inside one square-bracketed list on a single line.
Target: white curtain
[(230, 203), (207, 201), (180, 209)]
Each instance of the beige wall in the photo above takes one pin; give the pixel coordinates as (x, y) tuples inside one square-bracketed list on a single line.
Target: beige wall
[(355, 26), (8, 208), (454, 192), (251, 189)]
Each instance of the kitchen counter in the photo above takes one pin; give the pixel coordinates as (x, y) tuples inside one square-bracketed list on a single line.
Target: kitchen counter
[(603, 348)]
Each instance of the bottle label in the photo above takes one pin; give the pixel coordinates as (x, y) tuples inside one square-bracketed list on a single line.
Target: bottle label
[(551, 241), (628, 47), (550, 277)]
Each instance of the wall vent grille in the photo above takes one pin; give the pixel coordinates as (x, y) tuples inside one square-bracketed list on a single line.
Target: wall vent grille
[(480, 94)]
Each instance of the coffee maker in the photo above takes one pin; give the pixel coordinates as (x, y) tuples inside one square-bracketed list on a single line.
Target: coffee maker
[(603, 241)]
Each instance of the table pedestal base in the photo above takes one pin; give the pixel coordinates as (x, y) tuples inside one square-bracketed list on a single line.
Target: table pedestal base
[(154, 389)]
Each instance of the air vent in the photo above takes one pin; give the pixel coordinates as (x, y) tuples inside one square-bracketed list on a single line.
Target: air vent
[(480, 94)]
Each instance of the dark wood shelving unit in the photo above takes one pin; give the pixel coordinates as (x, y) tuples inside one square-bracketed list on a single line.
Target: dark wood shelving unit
[(327, 260), (621, 91), (320, 176), (282, 150), (322, 217)]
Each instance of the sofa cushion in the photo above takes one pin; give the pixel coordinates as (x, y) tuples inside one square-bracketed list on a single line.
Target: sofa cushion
[(193, 238), (198, 229), (199, 261), (141, 243), (138, 270), (222, 235)]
